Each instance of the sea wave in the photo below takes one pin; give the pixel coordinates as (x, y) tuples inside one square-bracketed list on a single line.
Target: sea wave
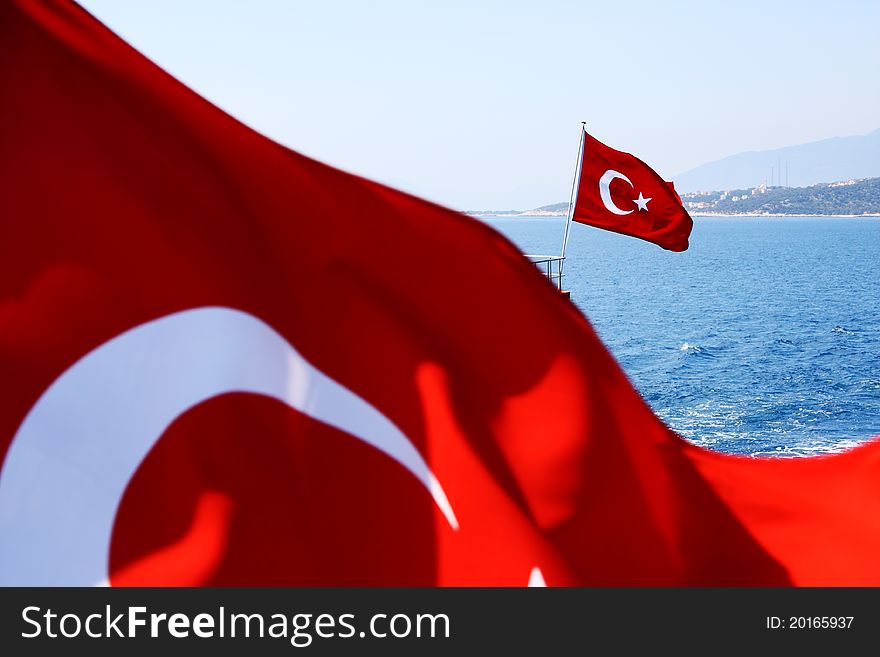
[(815, 449), (696, 350)]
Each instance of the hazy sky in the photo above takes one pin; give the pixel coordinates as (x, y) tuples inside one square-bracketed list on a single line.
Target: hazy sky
[(477, 104)]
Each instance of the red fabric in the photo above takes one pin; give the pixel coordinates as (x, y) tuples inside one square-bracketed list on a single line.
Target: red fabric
[(662, 219), (126, 197)]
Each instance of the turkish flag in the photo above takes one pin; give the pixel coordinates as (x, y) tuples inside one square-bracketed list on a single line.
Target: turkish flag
[(227, 364), (619, 192)]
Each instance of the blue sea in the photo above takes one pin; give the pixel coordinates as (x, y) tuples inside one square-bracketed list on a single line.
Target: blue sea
[(762, 338)]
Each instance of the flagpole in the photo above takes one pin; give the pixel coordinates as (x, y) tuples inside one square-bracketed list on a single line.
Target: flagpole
[(575, 186)]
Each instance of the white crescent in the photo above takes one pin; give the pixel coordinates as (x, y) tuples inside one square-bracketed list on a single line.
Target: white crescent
[(605, 190), (74, 454)]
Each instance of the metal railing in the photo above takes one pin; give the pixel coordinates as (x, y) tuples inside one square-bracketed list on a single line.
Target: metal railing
[(550, 266)]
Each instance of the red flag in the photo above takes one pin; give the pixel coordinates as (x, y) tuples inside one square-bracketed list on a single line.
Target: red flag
[(225, 363), (619, 192)]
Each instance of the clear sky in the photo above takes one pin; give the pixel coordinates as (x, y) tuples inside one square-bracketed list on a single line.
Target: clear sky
[(476, 104)]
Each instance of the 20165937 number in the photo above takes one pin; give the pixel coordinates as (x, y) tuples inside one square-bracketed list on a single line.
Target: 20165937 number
[(809, 622)]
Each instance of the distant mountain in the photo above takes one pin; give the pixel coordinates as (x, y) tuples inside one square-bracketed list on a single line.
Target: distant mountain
[(838, 158), (554, 210), (849, 197)]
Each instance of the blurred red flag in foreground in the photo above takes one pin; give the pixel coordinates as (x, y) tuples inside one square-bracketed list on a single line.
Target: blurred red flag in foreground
[(619, 192), (225, 363)]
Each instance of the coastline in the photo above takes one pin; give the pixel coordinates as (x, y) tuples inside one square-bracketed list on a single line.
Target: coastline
[(700, 214), (762, 214)]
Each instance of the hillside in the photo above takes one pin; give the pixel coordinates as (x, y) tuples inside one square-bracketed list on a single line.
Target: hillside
[(850, 197), (554, 210), (839, 158)]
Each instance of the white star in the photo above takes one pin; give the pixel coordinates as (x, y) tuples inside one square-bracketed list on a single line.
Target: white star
[(642, 202)]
